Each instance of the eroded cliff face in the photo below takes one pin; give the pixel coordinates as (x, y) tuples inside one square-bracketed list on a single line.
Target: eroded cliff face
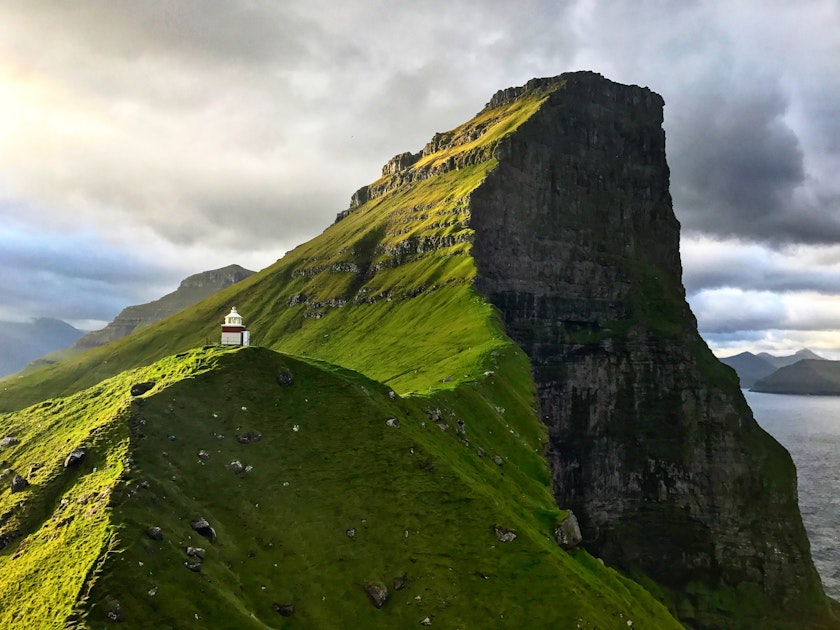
[(651, 442)]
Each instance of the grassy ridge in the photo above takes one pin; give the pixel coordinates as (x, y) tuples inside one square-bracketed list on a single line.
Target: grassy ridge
[(423, 498), (385, 292)]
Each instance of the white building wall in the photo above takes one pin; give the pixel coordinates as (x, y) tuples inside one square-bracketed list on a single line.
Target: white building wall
[(232, 339)]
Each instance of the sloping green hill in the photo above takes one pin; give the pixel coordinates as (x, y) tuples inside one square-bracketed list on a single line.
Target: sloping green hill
[(667, 466), (317, 482), (385, 291), (817, 377)]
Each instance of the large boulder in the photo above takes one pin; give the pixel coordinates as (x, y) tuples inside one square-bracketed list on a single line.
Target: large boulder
[(567, 534), (138, 389), (19, 483), (76, 457), (377, 593), (202, 526)]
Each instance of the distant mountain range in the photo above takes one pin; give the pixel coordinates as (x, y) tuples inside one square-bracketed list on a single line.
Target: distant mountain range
[(46, 340), (21, 343), (803, 372), (809, 376)]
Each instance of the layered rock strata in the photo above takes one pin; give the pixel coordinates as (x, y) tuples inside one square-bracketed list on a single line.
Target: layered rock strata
[(651, 442)]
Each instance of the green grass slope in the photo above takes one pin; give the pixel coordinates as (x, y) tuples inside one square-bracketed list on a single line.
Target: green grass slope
[(422, 501), (385, 291)]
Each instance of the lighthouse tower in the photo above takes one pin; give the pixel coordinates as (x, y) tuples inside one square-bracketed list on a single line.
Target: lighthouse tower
[(234, 332)]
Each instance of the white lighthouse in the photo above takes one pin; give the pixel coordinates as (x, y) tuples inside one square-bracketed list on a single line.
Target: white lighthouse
[(234, 332)]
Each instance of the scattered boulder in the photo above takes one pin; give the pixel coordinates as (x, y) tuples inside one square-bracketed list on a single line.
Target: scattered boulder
[(285, 610), (567, 534), (236, 467), (76, 457), (400, 581), (7, 538), (498, 460), (426, 621), (19, 483), (115, 612), (155, 533), (284, 379), (393, 422), (505, 535), (196, 552), (202, 527), (249, 437), (9, 440), (377, 593), (203, 455), (195, 567), (351, 533), (138, 389)]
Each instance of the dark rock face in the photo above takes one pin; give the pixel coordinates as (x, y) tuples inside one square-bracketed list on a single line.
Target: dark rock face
[(651, 442)]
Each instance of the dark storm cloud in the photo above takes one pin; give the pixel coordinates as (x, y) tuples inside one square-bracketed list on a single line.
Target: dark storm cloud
[(738, 167), (79, 275)]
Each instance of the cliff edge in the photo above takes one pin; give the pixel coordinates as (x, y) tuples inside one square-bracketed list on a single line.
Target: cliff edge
[(651, 441)]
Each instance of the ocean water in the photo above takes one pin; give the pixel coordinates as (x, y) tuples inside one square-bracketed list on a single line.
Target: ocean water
[(809, 427)]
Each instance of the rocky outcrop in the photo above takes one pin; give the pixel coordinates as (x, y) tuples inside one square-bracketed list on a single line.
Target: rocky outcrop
[(191, 290), (651, 442)]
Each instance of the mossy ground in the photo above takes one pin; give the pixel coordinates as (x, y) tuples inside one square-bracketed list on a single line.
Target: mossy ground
[(423, 502)]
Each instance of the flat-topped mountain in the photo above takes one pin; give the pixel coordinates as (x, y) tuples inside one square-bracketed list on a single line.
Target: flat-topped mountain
[(494, 333), (191, 290)]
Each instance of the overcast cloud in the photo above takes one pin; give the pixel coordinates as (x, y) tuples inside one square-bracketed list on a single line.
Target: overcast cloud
[(141, 142)]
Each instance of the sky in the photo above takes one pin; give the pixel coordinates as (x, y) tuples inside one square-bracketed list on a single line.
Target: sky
[(142, 142)]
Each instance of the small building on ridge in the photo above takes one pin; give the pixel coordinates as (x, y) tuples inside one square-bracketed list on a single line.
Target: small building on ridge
[(234, 332)]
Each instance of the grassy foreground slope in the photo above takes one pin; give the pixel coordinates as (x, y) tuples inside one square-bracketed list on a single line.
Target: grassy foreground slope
[(345, 486)]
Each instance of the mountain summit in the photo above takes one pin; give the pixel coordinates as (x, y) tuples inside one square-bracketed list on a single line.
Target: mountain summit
[(192, 289), (495, 338)]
